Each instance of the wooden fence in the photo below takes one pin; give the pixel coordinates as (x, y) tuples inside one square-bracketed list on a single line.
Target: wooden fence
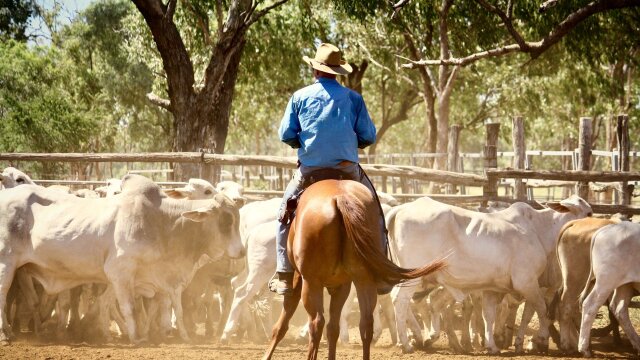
[(406, 178)]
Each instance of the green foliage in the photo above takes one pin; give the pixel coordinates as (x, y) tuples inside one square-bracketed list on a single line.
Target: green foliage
[(38, 110), (14, 18), (113, 82)]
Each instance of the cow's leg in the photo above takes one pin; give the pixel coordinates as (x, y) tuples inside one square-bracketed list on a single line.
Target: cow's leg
[(620, 307), (176, 301), (144, 326), (467, 313), (346, 310), (490, 300), (25, 283), (62, 311), (568, 320), (390, 318), (226, 297), (478, 323), (590, 306), (289, 305), (103, 305), (440, 300), (377, 325), (119, 274), (449, 328), (74, 309), (7, 270), (414, 325), (401, 297), (533, 295), (527, 315), (339, 296), (255, 281), (367, 302)]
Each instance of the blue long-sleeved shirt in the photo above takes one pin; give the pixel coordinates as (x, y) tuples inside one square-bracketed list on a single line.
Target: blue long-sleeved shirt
[(328, 123)]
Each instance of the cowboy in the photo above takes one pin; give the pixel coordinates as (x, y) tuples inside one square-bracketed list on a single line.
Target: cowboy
[(327, 123)]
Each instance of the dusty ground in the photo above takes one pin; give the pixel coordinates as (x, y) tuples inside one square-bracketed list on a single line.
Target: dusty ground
[(23, 349)]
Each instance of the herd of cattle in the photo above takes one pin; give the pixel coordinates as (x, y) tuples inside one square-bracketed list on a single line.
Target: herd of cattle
[(136, 259)]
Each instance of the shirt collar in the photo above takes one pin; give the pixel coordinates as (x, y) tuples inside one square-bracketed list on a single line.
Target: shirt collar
[(326, 80)]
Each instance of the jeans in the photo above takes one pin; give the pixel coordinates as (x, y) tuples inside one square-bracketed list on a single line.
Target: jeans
[(294, 188)]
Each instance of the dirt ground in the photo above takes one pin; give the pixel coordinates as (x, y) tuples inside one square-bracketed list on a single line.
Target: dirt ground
[(202, 349)]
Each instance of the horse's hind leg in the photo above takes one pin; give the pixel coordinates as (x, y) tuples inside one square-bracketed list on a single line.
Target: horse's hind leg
[(289, 305), (339, 296), (367, 298), (312, 298)]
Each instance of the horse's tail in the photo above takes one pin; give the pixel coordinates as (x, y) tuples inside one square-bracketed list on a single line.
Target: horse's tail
[(360, 235)]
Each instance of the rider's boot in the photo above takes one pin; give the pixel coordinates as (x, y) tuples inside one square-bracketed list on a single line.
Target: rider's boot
[(283, 285)]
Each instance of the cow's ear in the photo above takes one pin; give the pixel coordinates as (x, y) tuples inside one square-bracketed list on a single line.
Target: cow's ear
[(178, 193), (221, 199), (558, 207), (198, 215)]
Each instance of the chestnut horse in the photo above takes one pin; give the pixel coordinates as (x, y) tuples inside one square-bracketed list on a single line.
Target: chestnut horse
[(334, 240)]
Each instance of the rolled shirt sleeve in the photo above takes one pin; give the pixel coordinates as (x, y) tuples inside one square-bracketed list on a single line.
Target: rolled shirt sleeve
[(364, 127), (290, 126)]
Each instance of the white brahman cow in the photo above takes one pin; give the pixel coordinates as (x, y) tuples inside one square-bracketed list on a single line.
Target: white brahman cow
[(614, 270), (139, 242), (498, 253)]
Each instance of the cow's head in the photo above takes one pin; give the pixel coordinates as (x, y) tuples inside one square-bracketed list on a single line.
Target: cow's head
[(573, 204), (113, 187), (233, 190), (196, 189), (12, 177), (221, 220)]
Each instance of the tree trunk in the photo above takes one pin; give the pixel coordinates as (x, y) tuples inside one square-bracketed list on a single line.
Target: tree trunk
[(205, 124)]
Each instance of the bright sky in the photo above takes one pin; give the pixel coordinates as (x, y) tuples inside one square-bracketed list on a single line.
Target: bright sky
[(69, 10)]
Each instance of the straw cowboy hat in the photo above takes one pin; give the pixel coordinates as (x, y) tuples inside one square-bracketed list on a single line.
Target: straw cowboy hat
[(329, 59)]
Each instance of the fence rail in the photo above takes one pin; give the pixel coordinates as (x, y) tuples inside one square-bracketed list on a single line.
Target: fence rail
[(615, 186)]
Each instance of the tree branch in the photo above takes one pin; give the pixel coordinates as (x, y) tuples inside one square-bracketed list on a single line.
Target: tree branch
[(535, 49), (171, 9), (257, 15), (398, 6), (465, 60), (157, 100), (506, 20), (219, 16)]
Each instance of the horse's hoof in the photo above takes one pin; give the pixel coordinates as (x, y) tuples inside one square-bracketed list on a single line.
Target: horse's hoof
[(586, 353)]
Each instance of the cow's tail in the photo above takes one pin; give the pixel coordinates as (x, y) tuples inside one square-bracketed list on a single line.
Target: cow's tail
[(359, 234)]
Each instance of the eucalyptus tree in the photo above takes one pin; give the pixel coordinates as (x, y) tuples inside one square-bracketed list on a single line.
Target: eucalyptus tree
[(511, 22), (457, 35), (200, 94), (15, 16)]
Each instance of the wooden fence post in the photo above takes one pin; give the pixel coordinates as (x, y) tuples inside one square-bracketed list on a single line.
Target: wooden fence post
[(247, 179), (452, 154), (491, 160), (584, 149), (520, 153), (622, 131)]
